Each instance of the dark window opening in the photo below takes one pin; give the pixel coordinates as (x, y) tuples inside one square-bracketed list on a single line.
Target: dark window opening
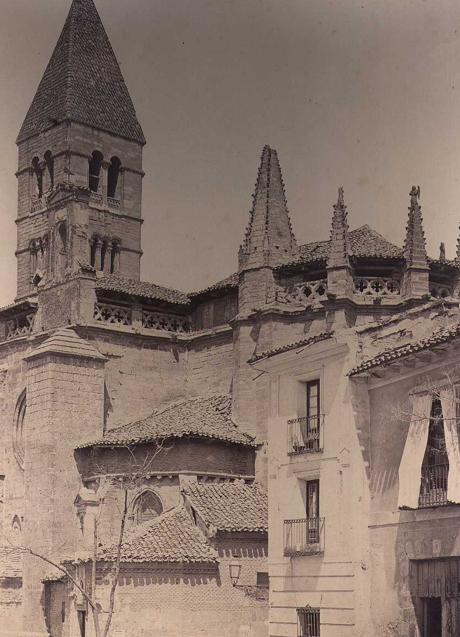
[(93, 253), (82, 622), (313, 400), (435, 465), (49, 163), (95, 165), (112, 177), (114, 258), (38, 175), (308, 622), (262, 580), (312, 510), (148, 507), (432, 617), (103, 255)]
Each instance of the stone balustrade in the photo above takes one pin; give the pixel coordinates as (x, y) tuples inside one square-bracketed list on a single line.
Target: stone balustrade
[(377, 287), (168, 322), (113, 314), (20, 325), (304, 293)]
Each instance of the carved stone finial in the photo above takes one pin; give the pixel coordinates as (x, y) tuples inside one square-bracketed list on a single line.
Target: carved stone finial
[(414, 196), (442, 251), (340, 198)]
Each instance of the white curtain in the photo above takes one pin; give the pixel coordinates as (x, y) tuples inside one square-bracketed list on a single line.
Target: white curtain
[(449, 415), (410, 469)]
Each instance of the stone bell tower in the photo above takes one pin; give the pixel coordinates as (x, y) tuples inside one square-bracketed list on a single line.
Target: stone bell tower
[(80, 164)]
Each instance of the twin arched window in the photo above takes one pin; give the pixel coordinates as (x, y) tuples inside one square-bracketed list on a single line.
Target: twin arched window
[(147, 507), (43, 173), (113, 173)]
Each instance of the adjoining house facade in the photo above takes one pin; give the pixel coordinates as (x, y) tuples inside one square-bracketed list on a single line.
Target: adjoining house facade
[(108, 381), (363, 435)]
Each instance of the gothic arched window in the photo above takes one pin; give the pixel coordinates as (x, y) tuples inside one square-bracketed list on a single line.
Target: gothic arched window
[(18, 429), (38, 177), (49, 163), (147, 507), (112, 177), (95, 165)]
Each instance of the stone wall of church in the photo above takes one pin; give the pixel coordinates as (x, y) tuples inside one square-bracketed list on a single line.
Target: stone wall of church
[(142, 373)]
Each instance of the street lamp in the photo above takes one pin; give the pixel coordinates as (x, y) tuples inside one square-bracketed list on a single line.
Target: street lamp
[(235, 572)]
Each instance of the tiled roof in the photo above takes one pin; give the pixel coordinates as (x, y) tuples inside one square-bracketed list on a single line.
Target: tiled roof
[(230, 506), (10, 562), (83, 81), (229, 282), (195, 417), (142, 289), (172, 537), (364, 242), (443, 335), (15, 308), (66, 341), (285, 348)]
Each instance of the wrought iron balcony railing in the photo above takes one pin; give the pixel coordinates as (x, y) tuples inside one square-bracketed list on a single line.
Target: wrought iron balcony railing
[(305, 435), (303, 537), (433, 488)]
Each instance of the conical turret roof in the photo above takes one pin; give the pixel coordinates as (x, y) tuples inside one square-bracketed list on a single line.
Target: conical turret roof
[(83, 82), (269, 235)]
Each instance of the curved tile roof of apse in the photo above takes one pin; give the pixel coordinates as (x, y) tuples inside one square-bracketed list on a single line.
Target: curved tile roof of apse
[(172, 537), (83, 82), (443, 335), (195, 417), (230, 506)]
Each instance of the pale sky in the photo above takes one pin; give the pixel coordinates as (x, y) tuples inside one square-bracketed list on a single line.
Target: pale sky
[(364, 94)]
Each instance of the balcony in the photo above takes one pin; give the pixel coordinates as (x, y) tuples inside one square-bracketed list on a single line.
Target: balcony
[(303, 537), (433, 489), (305, 435)]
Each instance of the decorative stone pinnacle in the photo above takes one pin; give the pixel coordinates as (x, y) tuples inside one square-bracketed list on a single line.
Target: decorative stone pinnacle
[(340, 199), (414, 197), (442, 251)]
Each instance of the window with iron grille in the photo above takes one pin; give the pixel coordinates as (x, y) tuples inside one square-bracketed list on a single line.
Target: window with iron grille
[(308, 622)]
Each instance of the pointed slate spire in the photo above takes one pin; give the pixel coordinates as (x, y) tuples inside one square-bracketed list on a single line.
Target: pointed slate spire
[(416, 277), (269, 238), (83, 82), (339, 276)]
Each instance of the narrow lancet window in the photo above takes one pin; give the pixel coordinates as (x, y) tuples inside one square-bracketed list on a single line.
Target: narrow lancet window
[(112, 178), (49, 163), (95, 165), (38, 177)]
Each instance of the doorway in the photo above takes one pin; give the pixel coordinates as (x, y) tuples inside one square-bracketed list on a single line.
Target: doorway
[(432, 617)]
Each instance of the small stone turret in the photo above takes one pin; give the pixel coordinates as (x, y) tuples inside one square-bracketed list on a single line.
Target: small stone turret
[(416, 275), (339, 275), (269, 240)]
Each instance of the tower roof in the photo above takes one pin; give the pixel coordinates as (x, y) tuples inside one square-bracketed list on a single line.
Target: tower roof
[(83, 82), (269, 235)]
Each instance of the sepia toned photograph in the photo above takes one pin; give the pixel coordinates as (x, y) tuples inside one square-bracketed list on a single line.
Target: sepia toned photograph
[(230, 318)]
